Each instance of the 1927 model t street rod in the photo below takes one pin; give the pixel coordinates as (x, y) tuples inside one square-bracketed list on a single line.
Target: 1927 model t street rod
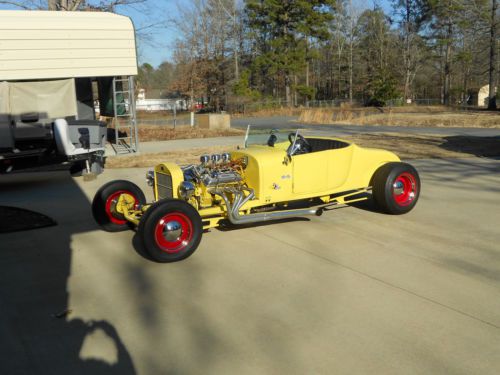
[(266, 180)]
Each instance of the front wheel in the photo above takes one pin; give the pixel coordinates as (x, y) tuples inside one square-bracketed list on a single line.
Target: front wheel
[(105, 207), (396, 188), (170, 230)]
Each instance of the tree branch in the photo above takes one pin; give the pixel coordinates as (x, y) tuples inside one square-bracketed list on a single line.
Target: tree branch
[(111, 5), (75, 5), (16, 4)]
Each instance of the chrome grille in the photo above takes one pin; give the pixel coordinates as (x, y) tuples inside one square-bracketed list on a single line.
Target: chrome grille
[(164, 185)]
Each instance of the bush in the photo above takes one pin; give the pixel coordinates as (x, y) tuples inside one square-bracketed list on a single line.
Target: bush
[(381, 89)]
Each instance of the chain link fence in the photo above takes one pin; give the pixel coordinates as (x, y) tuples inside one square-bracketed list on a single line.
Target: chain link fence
[(330, 103), (171, 119), (420, 102), (256, 106)]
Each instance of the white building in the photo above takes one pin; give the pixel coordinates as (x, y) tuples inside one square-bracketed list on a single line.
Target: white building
[(152, 105), (479, 97)]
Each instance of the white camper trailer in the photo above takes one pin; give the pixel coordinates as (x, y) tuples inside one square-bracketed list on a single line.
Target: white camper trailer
[(51, 66)]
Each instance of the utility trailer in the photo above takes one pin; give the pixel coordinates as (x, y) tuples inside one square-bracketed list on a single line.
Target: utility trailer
[(55, 67)]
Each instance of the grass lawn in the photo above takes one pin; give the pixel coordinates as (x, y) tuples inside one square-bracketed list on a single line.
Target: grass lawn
[(415, 116)]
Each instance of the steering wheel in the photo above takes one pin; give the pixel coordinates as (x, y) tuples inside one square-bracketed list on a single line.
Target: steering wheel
[(301, 145)]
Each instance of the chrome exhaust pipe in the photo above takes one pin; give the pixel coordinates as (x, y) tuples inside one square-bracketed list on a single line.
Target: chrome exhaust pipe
[(233, 210)]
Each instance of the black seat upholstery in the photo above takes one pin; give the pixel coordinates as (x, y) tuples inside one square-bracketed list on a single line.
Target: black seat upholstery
[(6, 133), (318, 144)]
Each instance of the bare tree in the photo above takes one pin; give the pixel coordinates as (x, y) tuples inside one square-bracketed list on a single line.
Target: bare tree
[(353, 14), (205, 46), (492, 104), (27, 4), (70, 5), (409, 20)]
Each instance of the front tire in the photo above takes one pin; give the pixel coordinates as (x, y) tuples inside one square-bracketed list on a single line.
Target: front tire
[(396, 188), (170, 230), (104, 205)]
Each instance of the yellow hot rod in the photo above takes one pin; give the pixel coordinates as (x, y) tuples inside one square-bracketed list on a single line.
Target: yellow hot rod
[(273, 176)]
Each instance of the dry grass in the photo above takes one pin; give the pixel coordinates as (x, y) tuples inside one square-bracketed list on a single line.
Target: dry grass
[(406, 146), (167, 115), (270, 112), (159, 133), (184, 157), (402, 116)]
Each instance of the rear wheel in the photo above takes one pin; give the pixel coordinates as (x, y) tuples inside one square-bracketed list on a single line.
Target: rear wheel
[(105, 208), (396, 188), (171, 230)]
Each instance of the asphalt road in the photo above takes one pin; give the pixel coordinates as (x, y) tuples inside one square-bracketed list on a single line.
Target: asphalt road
[(284, 122), (351, 292)]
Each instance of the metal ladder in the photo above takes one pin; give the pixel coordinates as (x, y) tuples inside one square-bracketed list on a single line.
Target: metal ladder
[(125, 116)]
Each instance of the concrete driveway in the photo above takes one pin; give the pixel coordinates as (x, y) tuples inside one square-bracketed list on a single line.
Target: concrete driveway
[(351, 292)]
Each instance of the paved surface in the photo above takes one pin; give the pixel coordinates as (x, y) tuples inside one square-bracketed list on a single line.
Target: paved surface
[(351, 292), (284, 122)]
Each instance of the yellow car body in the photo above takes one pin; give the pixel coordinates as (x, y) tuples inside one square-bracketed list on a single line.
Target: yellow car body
[(258, 183), (277, 177)]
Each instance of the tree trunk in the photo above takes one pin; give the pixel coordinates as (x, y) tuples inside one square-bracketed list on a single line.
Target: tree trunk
[(339, 66), (492, 103), (307, 73), (69, 5), (407, 57), (287, 91), (236, 45), (236, 66), (351, 41), (350, 74), (52, 4), (447, 66)]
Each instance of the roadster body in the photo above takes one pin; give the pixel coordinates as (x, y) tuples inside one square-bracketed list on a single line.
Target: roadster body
[(269, 179)]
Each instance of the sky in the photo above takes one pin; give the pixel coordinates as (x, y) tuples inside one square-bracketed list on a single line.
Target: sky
[(159, 48), (158, 44)]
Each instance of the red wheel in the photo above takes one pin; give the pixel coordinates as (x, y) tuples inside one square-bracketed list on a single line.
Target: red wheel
[(105, 208), (396, 188), (171, 230), (404, 189), (111, 210)]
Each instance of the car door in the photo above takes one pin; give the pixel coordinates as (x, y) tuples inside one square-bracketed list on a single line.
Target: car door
[(310, 172), (322, 171)]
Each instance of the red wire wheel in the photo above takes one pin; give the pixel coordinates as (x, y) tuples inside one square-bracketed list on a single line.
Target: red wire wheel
[(170, 230), (404, 189), (174, 232), (396, 188), (104, 204)]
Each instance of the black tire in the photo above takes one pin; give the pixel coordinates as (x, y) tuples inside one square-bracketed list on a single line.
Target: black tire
[(102, 205), (396, 188), (185, 234)]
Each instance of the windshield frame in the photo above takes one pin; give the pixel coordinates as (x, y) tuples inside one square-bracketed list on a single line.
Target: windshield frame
[(257, 136)]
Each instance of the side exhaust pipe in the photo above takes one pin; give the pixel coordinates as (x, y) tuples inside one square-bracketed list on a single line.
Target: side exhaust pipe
[(233, 210)]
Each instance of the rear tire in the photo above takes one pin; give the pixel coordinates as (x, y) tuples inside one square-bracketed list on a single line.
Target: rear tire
[(104, 204), (396, 188), (170, 230)]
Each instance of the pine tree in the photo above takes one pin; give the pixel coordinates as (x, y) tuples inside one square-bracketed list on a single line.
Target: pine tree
[(281, 30)]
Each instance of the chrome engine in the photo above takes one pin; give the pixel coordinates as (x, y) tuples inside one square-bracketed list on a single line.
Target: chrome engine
[(219, 177), (218, 180), (213, 171)]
